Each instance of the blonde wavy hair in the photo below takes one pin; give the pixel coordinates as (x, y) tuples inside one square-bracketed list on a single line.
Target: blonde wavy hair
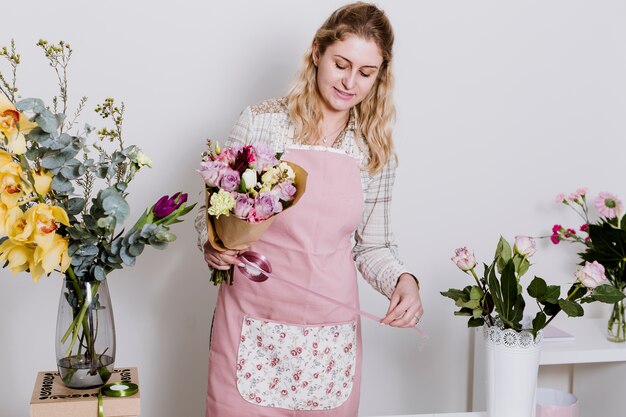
[(376, 113)]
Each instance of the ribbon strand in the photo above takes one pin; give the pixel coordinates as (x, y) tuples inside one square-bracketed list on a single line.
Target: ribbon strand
[(258, 269)]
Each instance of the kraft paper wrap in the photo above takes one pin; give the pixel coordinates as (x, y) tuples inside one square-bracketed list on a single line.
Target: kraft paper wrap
[(230, 232)]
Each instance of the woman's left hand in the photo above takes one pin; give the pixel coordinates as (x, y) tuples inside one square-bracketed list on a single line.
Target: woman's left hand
[(405, 306)]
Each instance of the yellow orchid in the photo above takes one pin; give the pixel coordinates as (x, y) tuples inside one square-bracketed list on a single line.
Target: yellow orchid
[(13, 185), (5, 158), (43, 219), (43, 181), (17, 227), (13, 126), (45, 260), (4, 210), (18, 256)]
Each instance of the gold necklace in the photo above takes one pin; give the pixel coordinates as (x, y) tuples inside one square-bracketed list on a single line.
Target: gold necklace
[(333, 134)]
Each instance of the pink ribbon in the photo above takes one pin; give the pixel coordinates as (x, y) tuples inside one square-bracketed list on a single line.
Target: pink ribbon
[(258, 269)]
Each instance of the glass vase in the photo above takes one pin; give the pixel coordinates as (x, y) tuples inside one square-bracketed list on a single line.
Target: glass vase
[(617, 324), (85, 333)]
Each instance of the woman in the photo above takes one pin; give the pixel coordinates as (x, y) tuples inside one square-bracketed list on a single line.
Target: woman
[(277, 352)]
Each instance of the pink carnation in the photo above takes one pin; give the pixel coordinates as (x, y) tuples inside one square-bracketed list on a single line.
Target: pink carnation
[(582, 191), (560, 198)]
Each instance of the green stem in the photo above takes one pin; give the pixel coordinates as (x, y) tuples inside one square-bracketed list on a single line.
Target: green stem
[(617, 332), (80, 318)]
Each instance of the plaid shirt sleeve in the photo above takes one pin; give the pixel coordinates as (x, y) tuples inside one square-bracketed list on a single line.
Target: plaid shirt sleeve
[(375, 251)]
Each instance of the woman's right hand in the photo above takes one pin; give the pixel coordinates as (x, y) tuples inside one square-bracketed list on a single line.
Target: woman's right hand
[(220, 260)]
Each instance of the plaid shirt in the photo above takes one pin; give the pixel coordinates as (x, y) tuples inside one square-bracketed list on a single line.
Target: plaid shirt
[(374, 251)]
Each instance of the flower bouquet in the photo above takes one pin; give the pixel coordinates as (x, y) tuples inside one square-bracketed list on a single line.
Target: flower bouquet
[(61, 210), (246, 187), (497, 297), (603, 260)]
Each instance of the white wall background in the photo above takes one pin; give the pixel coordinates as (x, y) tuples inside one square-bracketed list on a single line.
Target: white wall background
[(501, 105)]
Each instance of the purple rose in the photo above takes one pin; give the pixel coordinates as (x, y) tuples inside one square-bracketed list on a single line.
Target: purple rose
[(230, 180), (266, 205), (265, 157), (212, 172), (243, 205), (166, 205), (285, 190)]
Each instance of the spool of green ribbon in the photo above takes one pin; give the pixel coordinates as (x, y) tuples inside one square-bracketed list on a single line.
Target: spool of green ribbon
[(115, 389)]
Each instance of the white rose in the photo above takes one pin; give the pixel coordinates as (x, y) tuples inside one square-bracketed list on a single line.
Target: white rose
[(249, 178), (524, 246)]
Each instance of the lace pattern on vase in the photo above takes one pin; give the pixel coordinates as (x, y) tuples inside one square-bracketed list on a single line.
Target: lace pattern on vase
[(498, 335)]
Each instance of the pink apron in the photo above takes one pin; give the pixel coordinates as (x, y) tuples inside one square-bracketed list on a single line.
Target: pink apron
[(275, 350)]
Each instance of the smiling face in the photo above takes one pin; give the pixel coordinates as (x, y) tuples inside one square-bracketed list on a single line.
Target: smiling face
[(346, 72)]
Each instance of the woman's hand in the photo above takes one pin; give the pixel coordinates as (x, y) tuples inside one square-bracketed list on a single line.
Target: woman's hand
[(220, 260), (405, 306)]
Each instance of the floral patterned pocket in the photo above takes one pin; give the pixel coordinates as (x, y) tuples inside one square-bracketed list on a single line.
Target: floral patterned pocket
[(296, 367)]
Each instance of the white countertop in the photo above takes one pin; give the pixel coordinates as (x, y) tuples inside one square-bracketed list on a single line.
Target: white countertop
[(590, 344)]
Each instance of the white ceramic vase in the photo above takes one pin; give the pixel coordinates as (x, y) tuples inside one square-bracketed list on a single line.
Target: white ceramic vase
[(512, 364)]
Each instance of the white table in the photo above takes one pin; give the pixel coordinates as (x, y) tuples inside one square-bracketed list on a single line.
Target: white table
[(590, 346)]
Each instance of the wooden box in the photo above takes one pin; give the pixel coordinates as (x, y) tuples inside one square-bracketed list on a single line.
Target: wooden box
[(52, 399)]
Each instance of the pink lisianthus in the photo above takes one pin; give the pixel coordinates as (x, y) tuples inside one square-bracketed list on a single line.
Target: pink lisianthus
[(591, 275), (525, 246), (608, 205), (243, 205), (265, 158), (212, 171), (464, 259), (230, 180), (285, 190)]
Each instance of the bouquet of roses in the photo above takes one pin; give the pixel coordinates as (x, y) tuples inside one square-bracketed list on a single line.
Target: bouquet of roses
[(246, 186)]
